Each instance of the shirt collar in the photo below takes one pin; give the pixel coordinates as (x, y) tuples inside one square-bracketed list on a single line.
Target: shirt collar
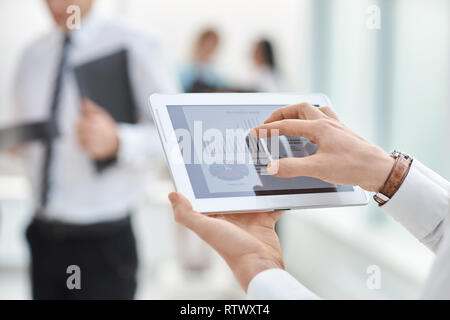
[(89, 28)]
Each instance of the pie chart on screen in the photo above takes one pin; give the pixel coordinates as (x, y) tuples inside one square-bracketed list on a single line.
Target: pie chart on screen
[(229, 172)]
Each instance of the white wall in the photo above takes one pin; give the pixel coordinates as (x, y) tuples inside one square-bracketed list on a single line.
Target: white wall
[(421, 82), (20, 22)]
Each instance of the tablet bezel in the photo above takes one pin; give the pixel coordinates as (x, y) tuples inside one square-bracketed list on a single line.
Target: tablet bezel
[(158, 106)]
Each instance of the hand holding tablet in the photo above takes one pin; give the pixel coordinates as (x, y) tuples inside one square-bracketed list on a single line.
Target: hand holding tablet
[(251, 245), (205, 139), (342, 157)]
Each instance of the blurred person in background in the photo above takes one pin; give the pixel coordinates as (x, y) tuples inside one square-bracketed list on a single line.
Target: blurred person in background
[(82, 215), (200, 75), (266, 77)]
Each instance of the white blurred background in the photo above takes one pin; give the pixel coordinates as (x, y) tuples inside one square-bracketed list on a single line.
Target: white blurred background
[(391, 85)]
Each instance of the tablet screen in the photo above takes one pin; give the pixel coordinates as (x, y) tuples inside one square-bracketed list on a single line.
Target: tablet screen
[(223, 161)]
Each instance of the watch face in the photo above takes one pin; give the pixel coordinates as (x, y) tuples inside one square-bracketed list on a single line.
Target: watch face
[(396, 153)]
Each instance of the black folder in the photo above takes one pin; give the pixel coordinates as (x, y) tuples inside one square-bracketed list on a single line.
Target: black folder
[(15, 135), (106, 82)]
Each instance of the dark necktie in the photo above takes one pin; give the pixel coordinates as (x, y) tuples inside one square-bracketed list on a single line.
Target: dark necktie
[(48, 147)]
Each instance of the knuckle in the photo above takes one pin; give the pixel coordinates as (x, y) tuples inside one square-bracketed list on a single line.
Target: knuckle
[(285, 123), (324, 123), (326, 108), (301, 107)]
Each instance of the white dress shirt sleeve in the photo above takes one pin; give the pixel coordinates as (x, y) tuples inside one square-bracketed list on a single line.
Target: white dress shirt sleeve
[(421, 204), (149, 73), (277, 284), (138, 143), (20, 111), (437, 285)]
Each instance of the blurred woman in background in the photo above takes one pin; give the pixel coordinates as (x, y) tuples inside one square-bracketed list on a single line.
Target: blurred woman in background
[(267, 78)]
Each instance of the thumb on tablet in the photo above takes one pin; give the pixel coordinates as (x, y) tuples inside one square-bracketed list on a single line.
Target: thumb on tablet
[(294, 167)]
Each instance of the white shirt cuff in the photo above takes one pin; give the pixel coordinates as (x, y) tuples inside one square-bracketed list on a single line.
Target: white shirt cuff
[(421, 203), (277, 284), (138, 142)]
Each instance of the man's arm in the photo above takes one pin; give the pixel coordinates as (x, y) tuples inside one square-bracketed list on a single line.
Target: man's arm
[(277, 284), (132, 144), (343, 158), (421, 204)]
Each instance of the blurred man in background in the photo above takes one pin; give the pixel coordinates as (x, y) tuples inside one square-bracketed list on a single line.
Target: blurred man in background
[(86, 180), (200, 75)]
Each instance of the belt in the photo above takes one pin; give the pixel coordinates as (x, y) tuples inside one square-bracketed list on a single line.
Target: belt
[(61, 230)]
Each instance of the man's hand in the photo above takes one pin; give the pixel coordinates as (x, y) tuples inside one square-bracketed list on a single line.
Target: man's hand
[(246, 241), (18, 150), (342, 156), (97, 131)]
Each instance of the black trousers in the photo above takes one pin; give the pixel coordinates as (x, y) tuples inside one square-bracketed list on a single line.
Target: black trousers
[(105, 254)]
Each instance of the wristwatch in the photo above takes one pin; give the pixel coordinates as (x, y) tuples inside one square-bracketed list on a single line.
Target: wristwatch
[(398, 173)]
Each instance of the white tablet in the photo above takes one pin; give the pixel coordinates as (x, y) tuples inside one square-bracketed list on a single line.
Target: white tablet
[(217, 166)]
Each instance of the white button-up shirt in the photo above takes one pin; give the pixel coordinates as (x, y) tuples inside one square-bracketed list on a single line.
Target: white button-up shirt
[(78, 194), (421, 204)]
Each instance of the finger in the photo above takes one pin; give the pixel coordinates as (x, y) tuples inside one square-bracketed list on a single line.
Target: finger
[(276, 215), (85, 128), (79, 127), (86, 140), (289, 127), (85, 108), (296, 167), (187, 216), (90, 142), (244, 219), (89, 108), (86, 133), (329, 112), (217, 215), (304, 111)]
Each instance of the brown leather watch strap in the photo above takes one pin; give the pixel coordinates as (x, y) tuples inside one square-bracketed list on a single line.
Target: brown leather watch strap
[(395, 179)]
